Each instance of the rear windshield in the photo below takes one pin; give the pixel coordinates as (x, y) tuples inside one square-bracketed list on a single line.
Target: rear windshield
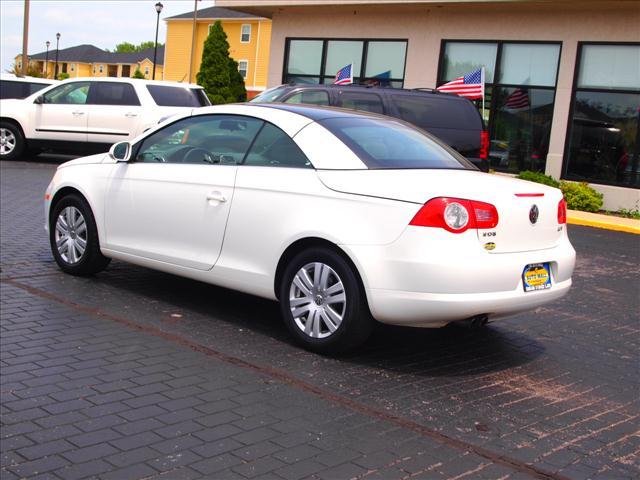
[(434, 112), (270, 95), (165, 96), (390, 144)]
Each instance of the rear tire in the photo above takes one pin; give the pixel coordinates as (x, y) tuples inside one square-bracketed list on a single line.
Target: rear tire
[(11, 141), (323, 303), (74, 237)]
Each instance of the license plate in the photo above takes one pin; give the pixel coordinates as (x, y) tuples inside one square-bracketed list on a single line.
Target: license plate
[(536, 276)]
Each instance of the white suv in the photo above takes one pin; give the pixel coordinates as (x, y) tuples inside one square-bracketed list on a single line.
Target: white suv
[(84, 114)]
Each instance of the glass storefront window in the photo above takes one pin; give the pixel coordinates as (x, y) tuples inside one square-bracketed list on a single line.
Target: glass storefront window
[(305, 57), (521, 128), (341, 53), (610, 66), (461, 58), (386, 60), (529, 64), (603, 145), (520, 84)]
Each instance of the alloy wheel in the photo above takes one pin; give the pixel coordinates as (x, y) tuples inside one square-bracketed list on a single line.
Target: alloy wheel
[(317, 300), (7, 141), (71, 235)]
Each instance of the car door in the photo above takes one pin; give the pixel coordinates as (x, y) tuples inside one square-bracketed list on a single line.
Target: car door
[(114, 112), (61, 113), (170, 203)]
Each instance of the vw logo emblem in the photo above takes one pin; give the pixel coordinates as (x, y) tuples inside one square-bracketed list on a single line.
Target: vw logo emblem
[(533, 214)]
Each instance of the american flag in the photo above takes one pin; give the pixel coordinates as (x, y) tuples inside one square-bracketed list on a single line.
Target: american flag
[(470, 85), (517, 100), (344, 75)]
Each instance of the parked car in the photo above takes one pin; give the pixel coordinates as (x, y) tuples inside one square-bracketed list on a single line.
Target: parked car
[(452, 118), (345, 217), (90, 114), (12, 86)]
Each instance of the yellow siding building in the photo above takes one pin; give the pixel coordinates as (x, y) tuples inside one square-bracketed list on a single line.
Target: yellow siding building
[(249, 40)]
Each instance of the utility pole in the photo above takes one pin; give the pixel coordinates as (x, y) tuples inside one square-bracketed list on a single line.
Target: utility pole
[(25, 39), (193, 37)]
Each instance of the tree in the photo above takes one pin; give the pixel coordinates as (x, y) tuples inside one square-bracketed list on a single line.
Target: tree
[(138, 73), (126, 47), (218, 71)]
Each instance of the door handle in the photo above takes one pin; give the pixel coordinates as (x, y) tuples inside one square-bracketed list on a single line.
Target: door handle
[(78, 112), (130, 115), (216, 197)]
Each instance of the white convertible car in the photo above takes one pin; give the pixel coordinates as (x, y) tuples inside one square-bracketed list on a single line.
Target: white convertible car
[(343, 217)]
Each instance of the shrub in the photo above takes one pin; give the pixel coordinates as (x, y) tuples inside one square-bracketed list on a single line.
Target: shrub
[(63, 76), (580, 196), (539, 177), (138, 74)]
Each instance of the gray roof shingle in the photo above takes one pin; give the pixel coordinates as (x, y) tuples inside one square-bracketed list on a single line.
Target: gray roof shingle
[(93, 54), (215, 13)]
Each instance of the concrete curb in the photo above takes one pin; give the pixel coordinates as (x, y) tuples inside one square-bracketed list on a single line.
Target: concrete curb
[(607, 222)]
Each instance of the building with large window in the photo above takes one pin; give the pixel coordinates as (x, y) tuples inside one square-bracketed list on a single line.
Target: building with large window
[(562, 77), (248, 36)]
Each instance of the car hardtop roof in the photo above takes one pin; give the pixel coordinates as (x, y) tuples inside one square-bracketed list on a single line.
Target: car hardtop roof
[(318, 112), (12, 77), (410, 91), (129, 80)]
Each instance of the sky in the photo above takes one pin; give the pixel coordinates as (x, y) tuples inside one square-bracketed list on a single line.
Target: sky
[(103, 23)]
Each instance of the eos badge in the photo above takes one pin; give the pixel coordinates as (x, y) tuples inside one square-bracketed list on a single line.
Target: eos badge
[(533, 214)]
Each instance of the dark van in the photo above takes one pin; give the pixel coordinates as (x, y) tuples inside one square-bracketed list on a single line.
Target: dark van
[(455, 120)]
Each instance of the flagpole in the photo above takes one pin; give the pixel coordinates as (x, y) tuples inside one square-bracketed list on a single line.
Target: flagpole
[(482, 77)]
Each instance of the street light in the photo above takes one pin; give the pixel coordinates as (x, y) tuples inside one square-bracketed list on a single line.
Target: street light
[(155, 48), (46, 62), (55, 72)]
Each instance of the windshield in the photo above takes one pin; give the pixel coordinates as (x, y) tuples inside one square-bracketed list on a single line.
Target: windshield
[(384, 143), (270, 95)]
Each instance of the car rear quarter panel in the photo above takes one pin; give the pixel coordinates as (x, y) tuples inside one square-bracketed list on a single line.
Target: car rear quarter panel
[(274, 207)]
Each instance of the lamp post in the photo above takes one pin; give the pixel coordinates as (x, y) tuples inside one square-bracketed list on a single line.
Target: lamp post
[(46, 62), (55, 71), (155, 48)]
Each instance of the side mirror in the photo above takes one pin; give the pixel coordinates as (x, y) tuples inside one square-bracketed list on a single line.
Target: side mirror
[(39, 99), (120, 151)]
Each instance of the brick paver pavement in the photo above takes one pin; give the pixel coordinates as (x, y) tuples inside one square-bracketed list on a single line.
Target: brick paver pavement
[(139, 374)]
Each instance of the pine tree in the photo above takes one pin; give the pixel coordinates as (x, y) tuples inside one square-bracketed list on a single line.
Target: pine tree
[(218, 71)]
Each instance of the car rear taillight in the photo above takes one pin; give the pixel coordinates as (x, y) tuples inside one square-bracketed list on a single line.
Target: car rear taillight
[(562, 211), (484, 145), (456, 215)]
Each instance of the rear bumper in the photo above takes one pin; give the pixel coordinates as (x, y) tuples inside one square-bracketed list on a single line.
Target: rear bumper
[(429, 278), (418, 309)]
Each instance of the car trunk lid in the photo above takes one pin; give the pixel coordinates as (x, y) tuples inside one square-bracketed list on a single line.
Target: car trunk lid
[(517, 201)]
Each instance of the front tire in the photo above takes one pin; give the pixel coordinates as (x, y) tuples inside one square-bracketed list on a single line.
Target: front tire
[(74, 237), (11, 141), (323, 303)]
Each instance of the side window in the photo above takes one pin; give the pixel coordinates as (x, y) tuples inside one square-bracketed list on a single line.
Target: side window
[(34, 87), (313, 97), (113, 93), (212, 139), (245, 33), (437, 112), (274, 148), (9, 89), (70, 93), (369, 102)]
